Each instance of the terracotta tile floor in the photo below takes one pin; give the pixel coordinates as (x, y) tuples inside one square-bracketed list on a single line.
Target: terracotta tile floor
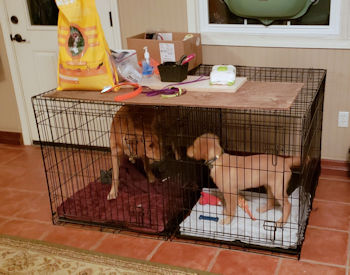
[(25, 212)]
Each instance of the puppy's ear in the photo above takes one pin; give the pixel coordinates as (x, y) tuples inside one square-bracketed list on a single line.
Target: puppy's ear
[(213, 147), (190, 151), (210, 148), (218, 148), (194, 151), (203, 147)]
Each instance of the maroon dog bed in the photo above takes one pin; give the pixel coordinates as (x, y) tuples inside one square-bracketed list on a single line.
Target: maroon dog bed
[(141, 206)]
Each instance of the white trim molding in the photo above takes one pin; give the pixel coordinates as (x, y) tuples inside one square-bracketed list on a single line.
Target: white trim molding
[(116, 24), (193, 16), (336, 35)]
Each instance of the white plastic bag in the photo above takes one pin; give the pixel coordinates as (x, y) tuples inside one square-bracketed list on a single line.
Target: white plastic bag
[(127, 66)]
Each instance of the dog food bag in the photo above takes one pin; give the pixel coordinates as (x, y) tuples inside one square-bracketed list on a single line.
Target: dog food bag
[(84, 58)]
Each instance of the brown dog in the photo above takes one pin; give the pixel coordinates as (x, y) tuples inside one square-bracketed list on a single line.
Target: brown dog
[(233, 173), (133, 134)]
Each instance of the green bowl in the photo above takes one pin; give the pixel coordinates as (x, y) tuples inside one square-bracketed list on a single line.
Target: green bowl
[(269, 10)]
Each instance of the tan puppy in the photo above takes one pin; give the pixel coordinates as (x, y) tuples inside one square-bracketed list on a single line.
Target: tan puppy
[(233, 173), (133, 134)]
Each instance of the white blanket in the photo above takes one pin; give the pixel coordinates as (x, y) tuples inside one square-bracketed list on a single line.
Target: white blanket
[(243, 228)]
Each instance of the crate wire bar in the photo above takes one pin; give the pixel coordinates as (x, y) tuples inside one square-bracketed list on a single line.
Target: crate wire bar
[(164, 197)]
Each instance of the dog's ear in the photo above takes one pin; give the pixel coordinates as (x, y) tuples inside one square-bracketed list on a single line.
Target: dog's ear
[(195, 150), (205, 147), (190, 151), (202, 147), (213, 147)]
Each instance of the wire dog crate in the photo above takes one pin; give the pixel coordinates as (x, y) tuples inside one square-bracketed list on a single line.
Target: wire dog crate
[(190, 172)]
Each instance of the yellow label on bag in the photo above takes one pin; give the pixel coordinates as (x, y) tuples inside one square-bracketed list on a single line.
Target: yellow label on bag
[(84, 58)]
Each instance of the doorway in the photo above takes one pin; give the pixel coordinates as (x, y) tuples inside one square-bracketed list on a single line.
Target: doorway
[(32, 25)]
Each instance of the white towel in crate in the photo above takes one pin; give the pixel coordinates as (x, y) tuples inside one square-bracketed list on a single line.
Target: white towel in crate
[(243, 228)]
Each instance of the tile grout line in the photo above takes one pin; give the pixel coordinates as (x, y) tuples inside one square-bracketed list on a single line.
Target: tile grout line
[(327, 228), (339, 202), (213, 260), (43, 236), (334, 178), (97, 244), (322, 263), (25, 191), (275, 256), (14, 218), (150, 255), (5, 221), (10, 159), (278, 267), (348, 258)]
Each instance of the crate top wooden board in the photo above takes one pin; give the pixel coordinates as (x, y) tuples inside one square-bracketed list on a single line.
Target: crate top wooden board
[(195, 84), (252, 95)]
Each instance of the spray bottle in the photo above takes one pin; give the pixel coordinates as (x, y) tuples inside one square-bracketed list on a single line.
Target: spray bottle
[(147, 69)]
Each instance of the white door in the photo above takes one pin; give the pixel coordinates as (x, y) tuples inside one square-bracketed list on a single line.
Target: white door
[(32, 24)]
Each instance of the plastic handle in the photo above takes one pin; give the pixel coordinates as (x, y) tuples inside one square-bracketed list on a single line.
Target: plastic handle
[(188, 58), (208, 218), (181, 59)]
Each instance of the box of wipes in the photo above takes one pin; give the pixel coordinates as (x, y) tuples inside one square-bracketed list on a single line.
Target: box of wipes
[(223, 75)]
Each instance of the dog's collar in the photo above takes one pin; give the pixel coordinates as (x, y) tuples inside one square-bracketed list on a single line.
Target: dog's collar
[(210, 162)]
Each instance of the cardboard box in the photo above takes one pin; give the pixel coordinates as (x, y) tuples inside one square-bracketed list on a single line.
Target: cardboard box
[(171, 48)]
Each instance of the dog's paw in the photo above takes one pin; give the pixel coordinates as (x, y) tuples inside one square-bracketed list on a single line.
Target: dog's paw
[(112, 195), (151, 178), (262, 209), (279, 224), (226, 220)]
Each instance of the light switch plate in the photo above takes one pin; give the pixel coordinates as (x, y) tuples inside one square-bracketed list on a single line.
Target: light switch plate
[(343, 119)]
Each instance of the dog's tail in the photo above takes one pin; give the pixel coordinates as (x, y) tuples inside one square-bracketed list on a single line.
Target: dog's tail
[(293, 162), (296, 161)]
